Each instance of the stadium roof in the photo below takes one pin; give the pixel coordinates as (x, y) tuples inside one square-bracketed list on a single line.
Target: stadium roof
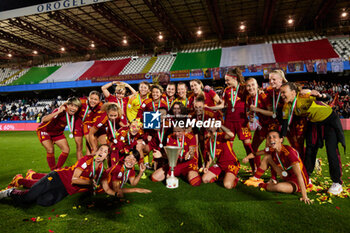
[(140, 22)]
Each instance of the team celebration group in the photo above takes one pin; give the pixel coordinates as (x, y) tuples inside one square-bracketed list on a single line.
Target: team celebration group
[(116, 141)]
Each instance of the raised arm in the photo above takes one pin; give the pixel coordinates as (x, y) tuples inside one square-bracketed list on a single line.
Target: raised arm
[(105, 87), (49, 117)]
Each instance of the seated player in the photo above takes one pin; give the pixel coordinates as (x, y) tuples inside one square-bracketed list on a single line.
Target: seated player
[(286, 163), (187, 164), (222, 158), (122, 172), (51, 131), (53, 187)]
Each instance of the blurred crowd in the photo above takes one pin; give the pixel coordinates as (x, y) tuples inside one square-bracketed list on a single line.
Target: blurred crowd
[(25, 109), (340, 95)]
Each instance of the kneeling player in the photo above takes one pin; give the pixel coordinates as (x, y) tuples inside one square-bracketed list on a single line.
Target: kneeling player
[(187, 164), (222, 157), (287, 164)]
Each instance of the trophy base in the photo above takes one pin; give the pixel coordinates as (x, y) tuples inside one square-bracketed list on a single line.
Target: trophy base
[(172, 182)]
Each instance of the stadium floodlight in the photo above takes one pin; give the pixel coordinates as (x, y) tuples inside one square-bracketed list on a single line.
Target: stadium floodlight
[(160, 37), (35, 52), (125, 41), (242, 27), (290, 21), (344, 14), (199, 32), (9, 55), (63, 49)]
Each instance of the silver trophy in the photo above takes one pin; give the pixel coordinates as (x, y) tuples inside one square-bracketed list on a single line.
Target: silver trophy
[(172, 153)]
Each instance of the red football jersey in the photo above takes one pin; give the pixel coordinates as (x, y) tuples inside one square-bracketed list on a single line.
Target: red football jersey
[(287, 157), (123, 103), (91, 111), (208, 97), (223, 151), (149, 105), (239, 113), (169, 101), (263, 103), (188, 140), (57, 124), (86, 165)]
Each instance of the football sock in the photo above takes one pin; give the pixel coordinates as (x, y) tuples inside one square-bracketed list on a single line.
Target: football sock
[(259, 172), (50, 157), (196, 181), (62, 159)]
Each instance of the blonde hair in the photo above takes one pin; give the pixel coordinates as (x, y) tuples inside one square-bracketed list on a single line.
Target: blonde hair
[(75, 101), (120, 88), (281, 74), (198, 82), (111, 106)]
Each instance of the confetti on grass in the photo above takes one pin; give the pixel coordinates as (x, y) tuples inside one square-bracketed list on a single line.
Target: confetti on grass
[(141, 216)]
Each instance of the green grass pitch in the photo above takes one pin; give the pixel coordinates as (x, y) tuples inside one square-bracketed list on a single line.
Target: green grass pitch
[(207, 208)]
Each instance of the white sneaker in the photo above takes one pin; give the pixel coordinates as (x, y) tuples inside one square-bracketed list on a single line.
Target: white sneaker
[(335, 189), (6, 193)]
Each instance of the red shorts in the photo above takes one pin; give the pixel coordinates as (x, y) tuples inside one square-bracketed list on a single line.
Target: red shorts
[(184, 168), (217, 169), (293, 180), (78, 128), (43, 136), (240, 129)]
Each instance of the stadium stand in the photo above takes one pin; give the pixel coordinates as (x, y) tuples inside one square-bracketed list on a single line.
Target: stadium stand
[(163, 63), (341, 46), (135, 66)]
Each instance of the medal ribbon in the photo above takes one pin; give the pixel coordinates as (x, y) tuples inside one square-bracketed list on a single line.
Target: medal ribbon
[(140, 100), (234, 99), (120, 102), (213, 148), (154, 107), (93, 173), (161, 136), (274, 104), (125, 177), (255, 103), (181, 145), (279, 160), (70, 123), (167, 101), (129, 138), (86, 112), (112, 127), (294, 104)]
